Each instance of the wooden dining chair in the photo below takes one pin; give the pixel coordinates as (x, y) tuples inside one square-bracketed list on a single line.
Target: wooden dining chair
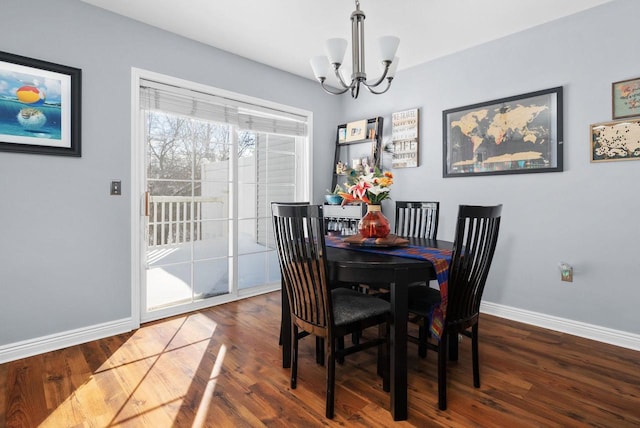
[(316, 308), (282, 287), (474, 246), (417, 219)]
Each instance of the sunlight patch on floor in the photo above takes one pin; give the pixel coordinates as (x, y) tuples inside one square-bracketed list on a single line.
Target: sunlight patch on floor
[(207, 396), (152, 376)]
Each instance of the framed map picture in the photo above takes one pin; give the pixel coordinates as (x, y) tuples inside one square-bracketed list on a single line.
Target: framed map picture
[(39, 106), (625, 96), (514, 135), (613, 141)]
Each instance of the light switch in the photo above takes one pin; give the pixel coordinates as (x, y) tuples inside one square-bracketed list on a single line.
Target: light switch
[(116, 187)]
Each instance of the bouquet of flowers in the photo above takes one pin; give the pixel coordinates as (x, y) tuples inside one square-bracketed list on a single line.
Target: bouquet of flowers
[(371, 186)]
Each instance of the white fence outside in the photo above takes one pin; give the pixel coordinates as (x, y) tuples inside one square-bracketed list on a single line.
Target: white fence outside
[(181, 219)]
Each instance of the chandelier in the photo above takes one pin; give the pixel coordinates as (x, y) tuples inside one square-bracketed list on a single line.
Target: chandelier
[(335, 49)]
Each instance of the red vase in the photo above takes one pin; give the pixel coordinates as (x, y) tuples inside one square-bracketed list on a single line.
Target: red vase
[(374, 224)]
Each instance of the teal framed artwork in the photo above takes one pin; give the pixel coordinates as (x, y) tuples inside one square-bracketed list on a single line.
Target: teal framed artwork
[(39, 106)]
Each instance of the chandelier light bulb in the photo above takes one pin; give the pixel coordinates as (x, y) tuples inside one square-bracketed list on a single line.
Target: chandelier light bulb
[(393, 67), (388, 47), (320, 66), (335, 50)]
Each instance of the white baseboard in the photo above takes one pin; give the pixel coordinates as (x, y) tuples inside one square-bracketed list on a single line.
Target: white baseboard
[(576, 328), (39, 345), (28, 348)]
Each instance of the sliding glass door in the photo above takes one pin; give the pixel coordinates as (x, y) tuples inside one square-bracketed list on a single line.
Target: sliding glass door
[(211, 170)]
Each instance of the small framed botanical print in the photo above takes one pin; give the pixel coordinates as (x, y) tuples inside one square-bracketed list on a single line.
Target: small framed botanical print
[(625, 97)]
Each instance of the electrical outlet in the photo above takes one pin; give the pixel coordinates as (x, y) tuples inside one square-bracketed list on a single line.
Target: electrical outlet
[(116, 187), (566, 272)]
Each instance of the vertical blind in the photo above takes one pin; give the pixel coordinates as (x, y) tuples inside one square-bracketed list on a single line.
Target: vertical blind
[(247, 116)]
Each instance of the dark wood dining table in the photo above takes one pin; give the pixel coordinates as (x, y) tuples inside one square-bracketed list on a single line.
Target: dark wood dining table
[(354, 266)]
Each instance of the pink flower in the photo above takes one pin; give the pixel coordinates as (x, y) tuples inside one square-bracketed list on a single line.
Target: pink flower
[(359, 189)]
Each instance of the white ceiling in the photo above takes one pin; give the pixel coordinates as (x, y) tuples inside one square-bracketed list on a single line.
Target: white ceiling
[(286, 33)]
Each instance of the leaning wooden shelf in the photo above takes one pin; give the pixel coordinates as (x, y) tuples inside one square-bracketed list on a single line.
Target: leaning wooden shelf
[(344, 220), (348, 151)]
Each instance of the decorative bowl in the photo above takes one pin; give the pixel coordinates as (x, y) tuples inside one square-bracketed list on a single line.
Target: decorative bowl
[(333, 199)]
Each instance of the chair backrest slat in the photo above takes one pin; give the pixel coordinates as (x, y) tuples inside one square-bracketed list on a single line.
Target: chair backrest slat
[(299, 235), (417, 219), (474, 246)]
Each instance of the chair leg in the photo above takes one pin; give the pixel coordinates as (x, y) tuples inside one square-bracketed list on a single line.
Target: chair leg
[(380, 360), (442, 373), (331, 377), (340, 345), (294, 356), (474, 356), (422, 341), (384, 353), (319, 350), (452, 339)]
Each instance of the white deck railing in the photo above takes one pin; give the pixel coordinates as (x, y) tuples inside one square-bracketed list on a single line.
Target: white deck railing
[(179, 219)]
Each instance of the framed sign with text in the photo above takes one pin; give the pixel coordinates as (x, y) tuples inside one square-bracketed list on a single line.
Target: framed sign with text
[(625, 98), (404, 137)]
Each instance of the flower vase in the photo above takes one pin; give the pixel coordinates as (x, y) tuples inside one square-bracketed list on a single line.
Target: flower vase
[(374, 224)]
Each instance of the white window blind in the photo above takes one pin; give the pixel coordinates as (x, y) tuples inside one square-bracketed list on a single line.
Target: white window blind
[(192, 103)]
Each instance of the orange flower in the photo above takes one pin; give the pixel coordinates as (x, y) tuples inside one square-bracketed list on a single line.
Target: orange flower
[(385, 181)]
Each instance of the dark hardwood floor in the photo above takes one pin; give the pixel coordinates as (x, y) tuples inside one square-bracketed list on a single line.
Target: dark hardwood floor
[(221, 367)]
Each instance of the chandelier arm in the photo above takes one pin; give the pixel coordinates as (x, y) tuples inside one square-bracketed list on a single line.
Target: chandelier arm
[(328, 91), (355, 90), (336, 69), (387, 65), (389, 79)]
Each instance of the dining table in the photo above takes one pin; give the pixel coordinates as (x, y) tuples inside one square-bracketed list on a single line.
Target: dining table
[(358, 265)]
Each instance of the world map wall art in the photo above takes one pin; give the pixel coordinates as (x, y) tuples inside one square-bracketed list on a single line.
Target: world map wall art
[(514, 135), (613, 141), (39, 106)]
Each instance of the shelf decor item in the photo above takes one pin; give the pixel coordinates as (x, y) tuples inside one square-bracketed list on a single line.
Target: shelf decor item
[(333, 197), (356, 131), (40, 105), (371, 187)]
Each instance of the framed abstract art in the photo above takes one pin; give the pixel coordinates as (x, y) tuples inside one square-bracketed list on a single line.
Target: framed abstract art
[(39, 106)]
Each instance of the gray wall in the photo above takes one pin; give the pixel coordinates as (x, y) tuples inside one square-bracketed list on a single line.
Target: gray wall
[(64, 242), (588, 214)]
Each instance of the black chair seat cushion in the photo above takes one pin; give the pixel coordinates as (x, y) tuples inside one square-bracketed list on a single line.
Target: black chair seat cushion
[(423, 300), (351, 306)]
